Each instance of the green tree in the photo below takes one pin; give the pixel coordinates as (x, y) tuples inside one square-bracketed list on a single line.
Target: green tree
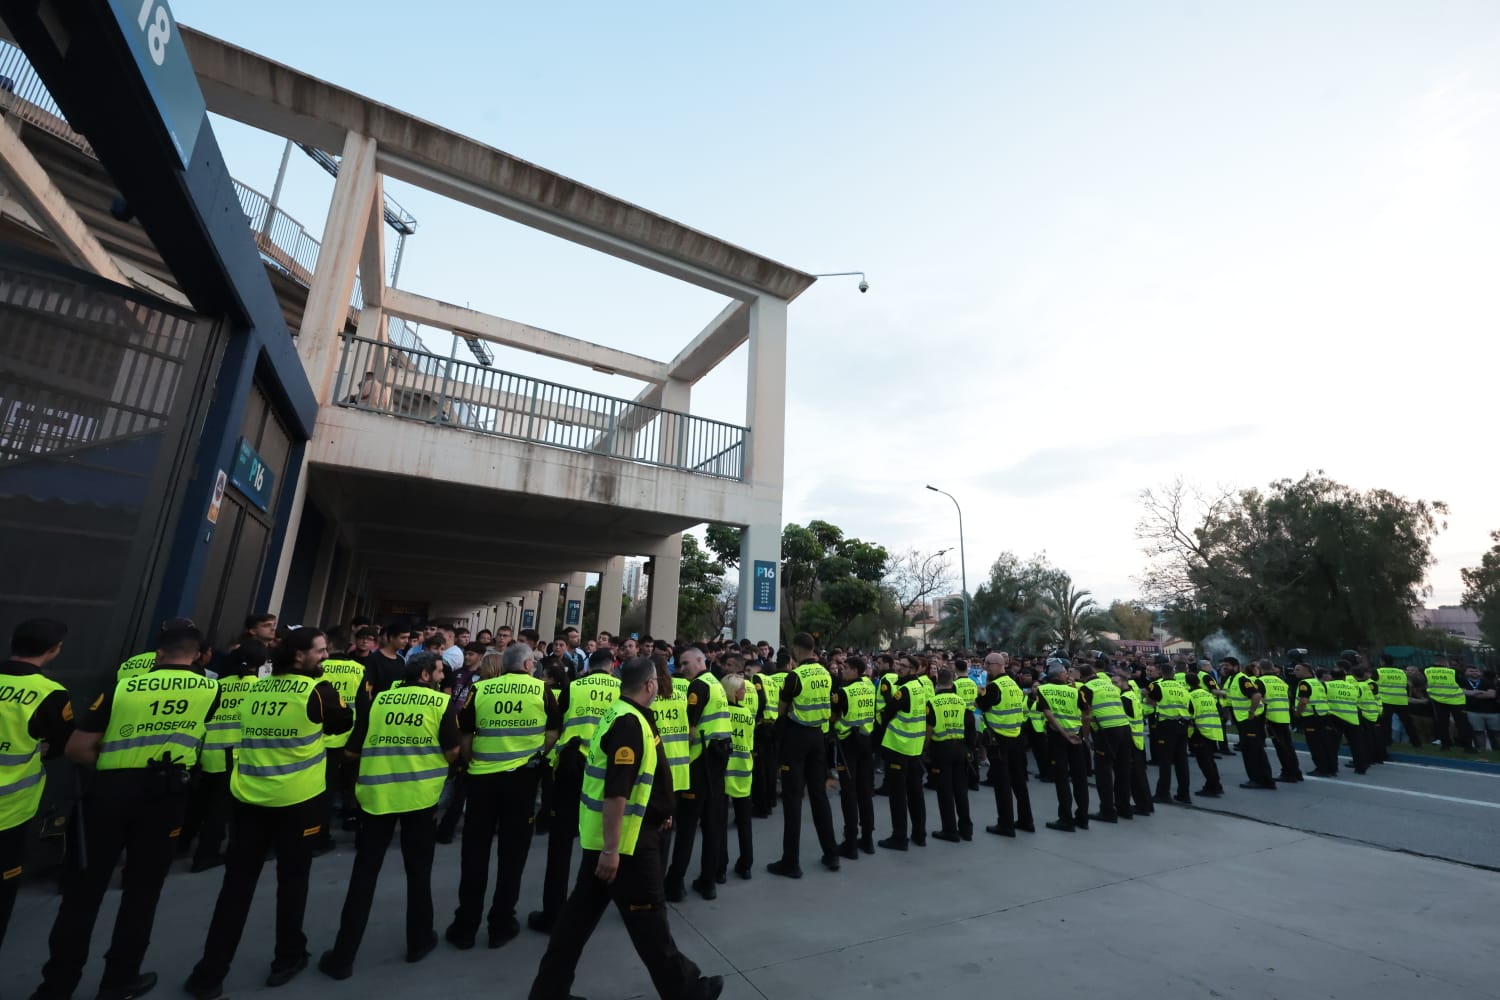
[(590, 626), (1067, 618), (723, 540), (698, 590), (1131, 620), (1309, 562), (1482, 592), (996, 609)]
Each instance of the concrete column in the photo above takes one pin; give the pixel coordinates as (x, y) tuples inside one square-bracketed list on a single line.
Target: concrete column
[(611, 583), (288, 548), (317, 588), (765, 465), (546, 611), (676, 395), (333, 605), (327, 308), (666, 578)]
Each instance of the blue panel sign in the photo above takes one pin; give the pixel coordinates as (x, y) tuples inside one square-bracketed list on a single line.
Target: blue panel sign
[(574, 614), (765, 586), (528, 617), (152, 36), (251, 477)]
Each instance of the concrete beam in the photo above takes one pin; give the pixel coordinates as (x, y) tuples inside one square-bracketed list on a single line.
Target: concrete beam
[(253, 89), (446, 315), (372, 252), (717, 341), (47, 206)]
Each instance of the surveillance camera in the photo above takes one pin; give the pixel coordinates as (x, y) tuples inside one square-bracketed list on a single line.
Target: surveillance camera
[(864, 286)]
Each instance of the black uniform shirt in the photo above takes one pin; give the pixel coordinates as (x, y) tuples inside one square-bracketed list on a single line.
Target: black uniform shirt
[(622, 749), (896, 700), (697, 700), (52, 722)]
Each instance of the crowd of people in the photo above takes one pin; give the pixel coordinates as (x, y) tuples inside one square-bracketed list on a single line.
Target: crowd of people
[(646, 752)]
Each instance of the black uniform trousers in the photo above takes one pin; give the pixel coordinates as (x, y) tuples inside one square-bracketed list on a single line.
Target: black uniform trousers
[(254, 830), (1037, 740), (1068, 764), (1169, 740), (339, 776), (1450, 725), (702, 807), (501, 808), (904, 775), (950, 770), (137, 813), (1315, 734), (1112, 748), (637, 893), (805, 765), (1359, 750), (1203, 750), (12, 867), (856, 769), (1253, 749), (371, 843), (1286, 754), (1387, 713), (743, 813), (207, 818), (1008, 775), (763, 773), (1140, 783), (567, 788), (455, 795)]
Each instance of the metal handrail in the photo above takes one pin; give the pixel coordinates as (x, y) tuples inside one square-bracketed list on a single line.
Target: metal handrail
[(399, 381)]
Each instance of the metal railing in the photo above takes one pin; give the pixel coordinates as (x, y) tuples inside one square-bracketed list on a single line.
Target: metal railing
[(402, 382), (28, 99)]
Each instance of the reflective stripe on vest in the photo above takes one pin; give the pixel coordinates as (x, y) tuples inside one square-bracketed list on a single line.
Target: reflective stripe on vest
[(589, 697), (713, 723), (224, 728), (158, 714), (510, 723), (1278, 700), (770, 686), (1343, 700), (948, 713), (1369, 701), (1317, 700), (1206, 720), (591, 801), (1442, 686), (672, 724), (966, 689), (1173, 706), (812, 705), (1239, 702), (741, 767), (280, 760), (1137, 718), (1006, 716), (1063, 703), (21, 776), (1106, 710), (859, 709), (907, 733), (346, 677), (1393, 686), (402, 767)]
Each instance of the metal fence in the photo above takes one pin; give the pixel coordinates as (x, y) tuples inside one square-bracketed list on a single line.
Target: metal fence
[(416, 385), (28, 99)]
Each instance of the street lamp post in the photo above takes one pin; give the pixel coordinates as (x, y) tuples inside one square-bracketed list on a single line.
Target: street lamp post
[(864, 284), (962, 569), (926, 612)]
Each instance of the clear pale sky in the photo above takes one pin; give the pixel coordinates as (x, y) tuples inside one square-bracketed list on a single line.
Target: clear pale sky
[(1107, 244)]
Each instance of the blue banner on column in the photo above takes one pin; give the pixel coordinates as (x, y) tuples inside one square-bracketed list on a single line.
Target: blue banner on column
[(528, 618), (765, 586), (574, 614)]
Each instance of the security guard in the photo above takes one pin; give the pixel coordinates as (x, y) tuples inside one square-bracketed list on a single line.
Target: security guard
[(141, 735), (1066, 712), (1343, 706), (702, 804), (905, 719), (509, 724), (950, 727), (1111, 739), (1003, 704), (1312, 713), (1447, 700), (886, 681), (806, 703), (767, 685), (626, 802), (1278, 704), (853, 709), (1395, 703), (1205, 734), (669, 711), (140, 663), (739, 775), (347, 677), (968, 689), (279, 787), (1169, 735), (403, 739), (582, 703), (1369, 712), (209, 810), (1247, 704), (36, 719), (1139, 784)]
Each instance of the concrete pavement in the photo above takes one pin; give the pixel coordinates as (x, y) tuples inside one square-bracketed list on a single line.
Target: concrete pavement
[(1188, 903)]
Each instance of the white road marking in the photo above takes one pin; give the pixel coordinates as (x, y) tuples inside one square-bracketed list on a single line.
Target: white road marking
[(1406, 791)]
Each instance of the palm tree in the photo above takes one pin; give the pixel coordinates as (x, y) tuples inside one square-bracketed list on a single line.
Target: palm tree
[(1066, 618)]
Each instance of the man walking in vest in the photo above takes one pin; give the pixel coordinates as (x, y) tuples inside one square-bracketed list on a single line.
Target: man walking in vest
[(625, 807), (806, 704), (279, 786), (141, 737), (510, 723), (403, 740), (36, 720)]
